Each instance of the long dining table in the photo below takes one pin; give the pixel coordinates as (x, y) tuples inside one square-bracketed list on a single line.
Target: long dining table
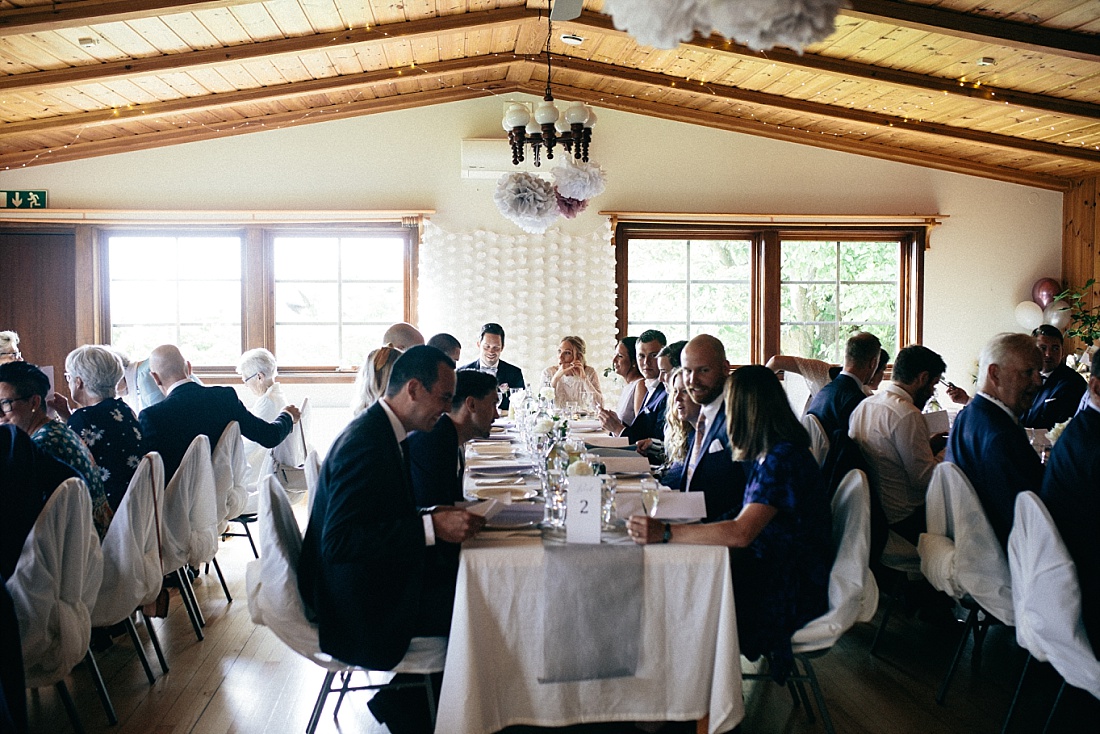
[(688, 664)]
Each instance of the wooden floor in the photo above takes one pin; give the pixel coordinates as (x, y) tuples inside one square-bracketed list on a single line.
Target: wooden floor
[(242, 679)]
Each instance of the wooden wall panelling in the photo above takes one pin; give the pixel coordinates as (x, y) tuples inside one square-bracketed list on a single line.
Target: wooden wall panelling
[(1080, 234), (38, 299)]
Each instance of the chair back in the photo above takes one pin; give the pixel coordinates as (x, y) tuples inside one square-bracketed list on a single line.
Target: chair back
[(313, 476), (960, 554), (819, 442), (190, 531), (132, 574), (230, 475), (853, 593), (55, 583), (293, 449), (1047, 596), (272, 580)]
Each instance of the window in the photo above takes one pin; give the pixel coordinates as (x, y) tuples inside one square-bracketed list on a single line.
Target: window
[(766, 290), (319, 298)]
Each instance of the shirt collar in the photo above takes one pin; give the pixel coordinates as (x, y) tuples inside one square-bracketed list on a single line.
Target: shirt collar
[(398, 427), (710, 410), (174, 385), (1000, 405), (899, 391), (484, 366)]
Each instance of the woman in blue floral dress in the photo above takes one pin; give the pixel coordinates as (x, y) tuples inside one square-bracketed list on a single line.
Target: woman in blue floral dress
[(23, 391), (780, 538), (106, 424)]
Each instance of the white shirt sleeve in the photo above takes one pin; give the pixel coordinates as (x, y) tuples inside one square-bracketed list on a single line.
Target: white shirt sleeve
[(429, 529)]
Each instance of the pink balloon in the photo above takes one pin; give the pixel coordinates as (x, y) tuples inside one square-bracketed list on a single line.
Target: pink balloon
[(1044, 291)]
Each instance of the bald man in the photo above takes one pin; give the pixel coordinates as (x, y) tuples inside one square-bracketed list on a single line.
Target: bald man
[(189, 409), (403, 336)]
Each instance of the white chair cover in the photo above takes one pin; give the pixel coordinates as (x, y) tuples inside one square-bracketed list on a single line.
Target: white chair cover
[(55, 583), (190, 530), (960, 554), (819, 442), (132, 575), (292, 451), (274, 601), (853, 593), (230, 475), (1047, 596), (313, 476)]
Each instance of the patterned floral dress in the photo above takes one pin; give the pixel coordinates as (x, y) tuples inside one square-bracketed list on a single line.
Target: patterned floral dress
[(111, 432), (58, 441), (781, 580)]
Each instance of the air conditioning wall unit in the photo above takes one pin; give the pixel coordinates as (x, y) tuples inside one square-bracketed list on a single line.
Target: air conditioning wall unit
[(492, 157)]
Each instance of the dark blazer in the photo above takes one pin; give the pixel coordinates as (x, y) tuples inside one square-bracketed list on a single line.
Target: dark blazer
[(1071, 491), (994, 453), (1057, 399), (436, 467), (171, 425), (716, 474), (650, 421), (362, 563), (28, 476), (834, 403), (507, 374)]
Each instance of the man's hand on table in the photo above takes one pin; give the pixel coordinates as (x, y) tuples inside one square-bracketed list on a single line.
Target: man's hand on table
[(644, 530), (609, 419), (455, 525)]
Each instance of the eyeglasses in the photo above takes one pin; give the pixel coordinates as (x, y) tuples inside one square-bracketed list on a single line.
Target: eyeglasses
[(246, 379), (6, 404)]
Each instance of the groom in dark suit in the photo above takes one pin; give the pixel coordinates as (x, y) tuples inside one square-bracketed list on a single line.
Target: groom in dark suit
[(834, 403), (1062, 388), (491, 343), (649, 423), (189, 409), (362, 568), (1071, 491)]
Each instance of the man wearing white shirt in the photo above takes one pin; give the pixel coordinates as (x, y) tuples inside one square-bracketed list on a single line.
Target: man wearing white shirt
[(892, 433), (987, 441), (490, 344)]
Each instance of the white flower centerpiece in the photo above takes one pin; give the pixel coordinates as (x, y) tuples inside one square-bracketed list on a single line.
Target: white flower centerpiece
[(1054, 433)]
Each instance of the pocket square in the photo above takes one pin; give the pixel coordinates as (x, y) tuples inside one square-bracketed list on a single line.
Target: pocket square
[(715, 447)]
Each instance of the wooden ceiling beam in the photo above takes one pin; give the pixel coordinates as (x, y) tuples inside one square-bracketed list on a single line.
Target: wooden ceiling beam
[(59, 16), (978, 28), (126, 68), (196, 133), (819, 109), (251, 96), (791, 135), (856, 70)]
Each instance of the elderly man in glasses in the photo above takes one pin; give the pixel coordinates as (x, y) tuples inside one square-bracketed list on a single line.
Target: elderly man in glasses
[(9, 347)]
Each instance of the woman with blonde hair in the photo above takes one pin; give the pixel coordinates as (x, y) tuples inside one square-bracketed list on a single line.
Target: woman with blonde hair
[(780, 535), (573, 380), (680, 418), (373, 376)]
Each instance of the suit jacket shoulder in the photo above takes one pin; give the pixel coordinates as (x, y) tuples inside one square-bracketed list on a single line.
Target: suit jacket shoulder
[(435, 465)]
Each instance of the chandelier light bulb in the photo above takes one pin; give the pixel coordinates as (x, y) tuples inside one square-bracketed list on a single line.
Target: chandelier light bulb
[(591, 121), (577, 113), (516, 116), (546, 113)]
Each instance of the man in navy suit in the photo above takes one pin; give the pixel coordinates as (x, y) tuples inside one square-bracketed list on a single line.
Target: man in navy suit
[(189, 409), (362, 568), (710, 465), (834, 403), (649, 423), (1062, 388), (491, 343), (987, 441), (1071, 491)]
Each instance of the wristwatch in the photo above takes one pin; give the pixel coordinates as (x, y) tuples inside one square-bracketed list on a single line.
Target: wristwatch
[(668, 533)]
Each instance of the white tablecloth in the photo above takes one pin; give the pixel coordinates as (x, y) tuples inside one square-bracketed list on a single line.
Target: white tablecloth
[(689, 664)]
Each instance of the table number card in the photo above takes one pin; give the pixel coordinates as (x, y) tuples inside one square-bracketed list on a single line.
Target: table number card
[(583, 510)]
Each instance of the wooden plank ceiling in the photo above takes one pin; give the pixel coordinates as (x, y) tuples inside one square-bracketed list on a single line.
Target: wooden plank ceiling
[(1005, 89)]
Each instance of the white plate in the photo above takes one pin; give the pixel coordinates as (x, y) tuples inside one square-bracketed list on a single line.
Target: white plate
[(488, 470), (518, 493)]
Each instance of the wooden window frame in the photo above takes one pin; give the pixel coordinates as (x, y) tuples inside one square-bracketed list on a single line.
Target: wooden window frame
[(258, 284), (764, 328)]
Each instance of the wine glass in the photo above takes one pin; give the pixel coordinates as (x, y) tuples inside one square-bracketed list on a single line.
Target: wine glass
[(651, 495)]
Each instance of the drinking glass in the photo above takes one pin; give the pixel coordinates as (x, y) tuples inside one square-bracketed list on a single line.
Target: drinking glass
[(608, 484), (651, 495), (553, 491)]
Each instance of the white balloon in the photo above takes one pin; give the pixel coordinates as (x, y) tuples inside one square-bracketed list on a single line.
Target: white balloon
[(1029, 314), (1057, 314)]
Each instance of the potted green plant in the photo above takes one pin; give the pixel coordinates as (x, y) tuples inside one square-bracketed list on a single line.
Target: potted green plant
[(1084, 319)]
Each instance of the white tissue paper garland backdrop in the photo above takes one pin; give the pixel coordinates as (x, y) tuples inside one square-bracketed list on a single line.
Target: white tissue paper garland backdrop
[(759, 24), (538, 287)]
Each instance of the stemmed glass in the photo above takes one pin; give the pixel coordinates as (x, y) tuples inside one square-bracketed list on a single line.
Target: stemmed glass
[(651, 495)]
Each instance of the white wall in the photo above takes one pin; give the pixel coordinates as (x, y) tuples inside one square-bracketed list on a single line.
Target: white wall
[(999, 238)]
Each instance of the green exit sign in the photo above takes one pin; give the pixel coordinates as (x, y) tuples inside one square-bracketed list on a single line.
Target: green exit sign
[(34, 199)]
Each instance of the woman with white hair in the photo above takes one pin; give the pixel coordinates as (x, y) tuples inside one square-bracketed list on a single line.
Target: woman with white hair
[(106, 425), (258, 370), (9, 347)]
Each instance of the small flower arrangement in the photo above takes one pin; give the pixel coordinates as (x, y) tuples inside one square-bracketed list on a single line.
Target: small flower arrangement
[(1056, 431)]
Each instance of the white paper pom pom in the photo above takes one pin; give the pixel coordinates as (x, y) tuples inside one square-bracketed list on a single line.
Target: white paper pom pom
[(581, 181), (527, 200)]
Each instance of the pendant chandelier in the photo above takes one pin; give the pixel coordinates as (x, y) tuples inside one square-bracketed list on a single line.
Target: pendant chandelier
[(547, 127)]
